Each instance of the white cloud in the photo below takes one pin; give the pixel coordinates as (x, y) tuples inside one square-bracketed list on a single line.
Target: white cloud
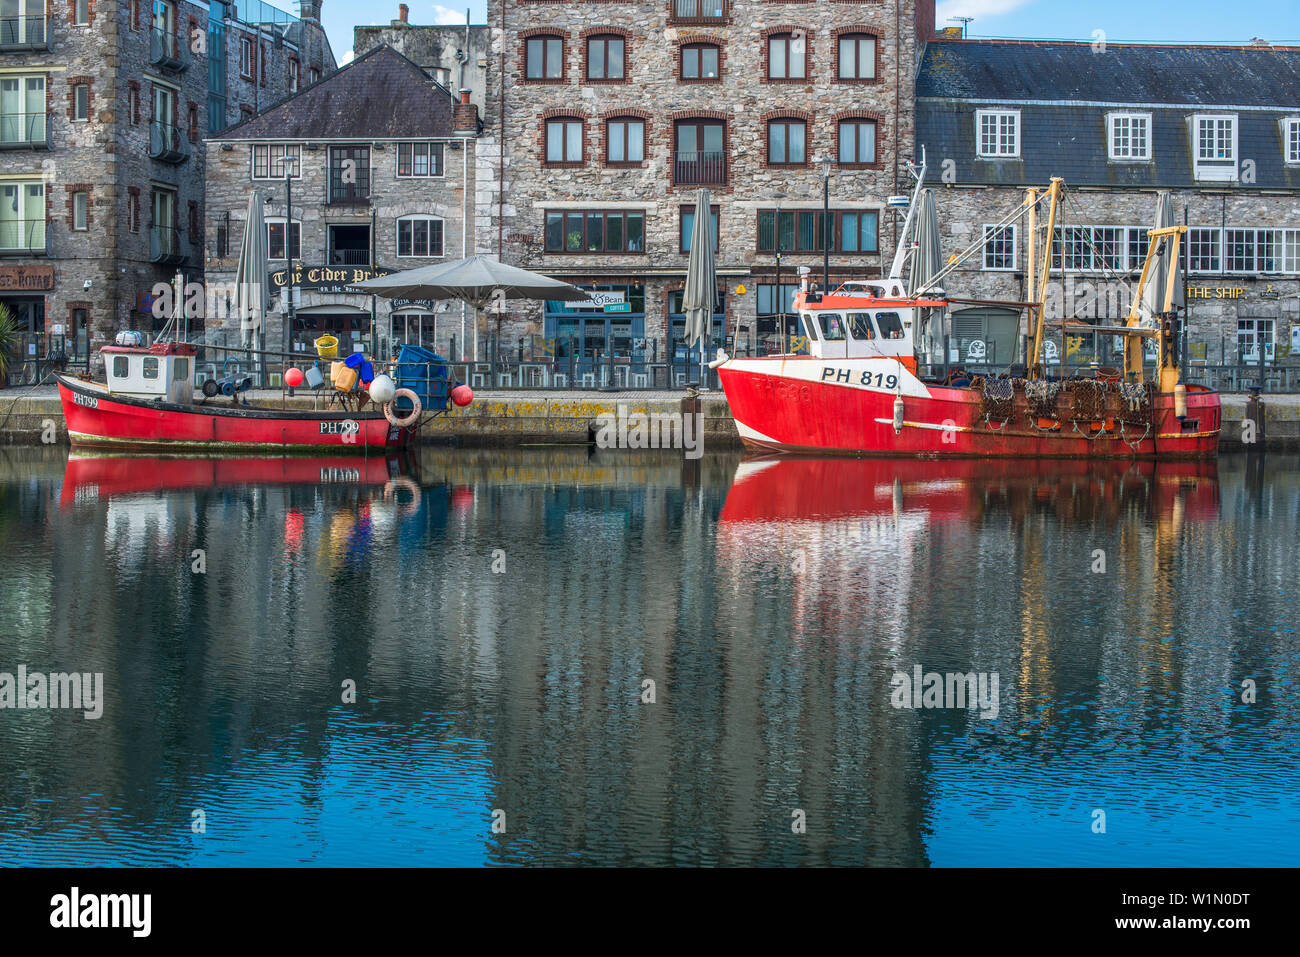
[(347, 58), (445, 15), (979, 9)]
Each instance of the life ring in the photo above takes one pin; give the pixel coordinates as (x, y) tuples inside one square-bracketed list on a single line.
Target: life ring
[(407, 483), (409, 419)]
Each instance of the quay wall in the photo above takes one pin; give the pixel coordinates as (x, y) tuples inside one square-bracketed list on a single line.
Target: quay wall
[(574, 417)]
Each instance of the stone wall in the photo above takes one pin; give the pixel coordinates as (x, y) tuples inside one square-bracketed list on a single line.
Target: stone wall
[(435, 48)]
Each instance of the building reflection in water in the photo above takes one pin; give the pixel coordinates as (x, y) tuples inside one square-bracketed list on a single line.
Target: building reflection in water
[(770, 602)]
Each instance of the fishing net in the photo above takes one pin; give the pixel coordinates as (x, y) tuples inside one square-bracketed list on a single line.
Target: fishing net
[(997, 398), (1136, 404), (1042, 394), (1088, 400)]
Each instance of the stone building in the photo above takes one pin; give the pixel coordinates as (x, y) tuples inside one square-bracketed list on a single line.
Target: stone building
[(103, 108), (455, 56), (1218, 127), (603, 120), (381, 164)]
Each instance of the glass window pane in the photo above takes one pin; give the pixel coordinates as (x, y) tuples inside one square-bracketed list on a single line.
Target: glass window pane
[(596, 58), (866, 142), (688, 227), (849, 232), (614, 233), (616, 135), (616, 59), (573, 144), (554, 231), (710, 64), (534, 57), (776, 57), (776, 143), (636, 142), (807, 231), (573, 232), (847, 143), (766, 225), (690, 63), (797, 58), (635, 232), (787, 231), (595, 232), (795, 153), (554, 58)]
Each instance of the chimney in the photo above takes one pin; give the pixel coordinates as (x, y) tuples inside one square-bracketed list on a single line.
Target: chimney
[(464, 119), (925, 15), (310, 10), (402, 12)]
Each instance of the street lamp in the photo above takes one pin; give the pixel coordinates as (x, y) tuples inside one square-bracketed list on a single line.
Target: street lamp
[(825, 163)]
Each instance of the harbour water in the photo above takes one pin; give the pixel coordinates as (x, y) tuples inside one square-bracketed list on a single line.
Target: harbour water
[(556, 656)]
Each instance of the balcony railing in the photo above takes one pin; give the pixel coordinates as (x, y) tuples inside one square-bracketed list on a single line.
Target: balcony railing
[(23, 237), (166, 245), (166, 143), (355, 194), (19, 130), (24, 33), (698, 11), (349, 257), (166, 50), (706, 168)]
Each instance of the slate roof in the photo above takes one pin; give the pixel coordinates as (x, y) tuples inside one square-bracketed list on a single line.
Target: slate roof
[(379, 95), (1123, 73), (1063, 131)]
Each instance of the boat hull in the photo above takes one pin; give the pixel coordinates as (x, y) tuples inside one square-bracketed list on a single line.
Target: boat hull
[(98, 419), (812, 405)]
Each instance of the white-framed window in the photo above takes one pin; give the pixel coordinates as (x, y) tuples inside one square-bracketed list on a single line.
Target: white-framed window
[(1000, 248), (22, 109), (276, 234), (81, 102), (246, 54), (273, 160), (1250, 331), (1291, 139), (419, 237), (419, 159), (81, 13), (1252, 251), (1138, 242), (1129, 136), (1204, 249), (80, 210), (997, 133), (1290, 250), (295, 74), (1214, 146)]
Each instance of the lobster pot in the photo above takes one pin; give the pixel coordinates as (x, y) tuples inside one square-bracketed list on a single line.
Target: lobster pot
[(425, 374)]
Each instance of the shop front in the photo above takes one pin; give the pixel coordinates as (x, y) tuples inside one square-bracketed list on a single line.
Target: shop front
[(606, 329)]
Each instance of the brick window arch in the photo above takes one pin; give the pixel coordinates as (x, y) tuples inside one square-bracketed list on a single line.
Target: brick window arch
[(787, 137), (787, 54), (626, 137), (542, 53), (855, 55), (562, 138)]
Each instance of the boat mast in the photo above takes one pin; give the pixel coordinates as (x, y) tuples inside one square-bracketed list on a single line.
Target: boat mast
[(1040, 295), (905, 237), (1167, 377)]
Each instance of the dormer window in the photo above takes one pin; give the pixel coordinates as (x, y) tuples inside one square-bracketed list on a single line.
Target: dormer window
[(1215, 146), (1129, 136), (1291, 140), (997, 134)]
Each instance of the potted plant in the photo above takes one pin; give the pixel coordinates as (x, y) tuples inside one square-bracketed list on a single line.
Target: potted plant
[(9, 343)]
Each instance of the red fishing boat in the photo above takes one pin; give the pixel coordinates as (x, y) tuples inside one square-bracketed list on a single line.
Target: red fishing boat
[(147, 403), (860, 388)]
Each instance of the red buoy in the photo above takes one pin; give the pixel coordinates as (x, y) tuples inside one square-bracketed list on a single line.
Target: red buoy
[(462, 395), (293, 377)]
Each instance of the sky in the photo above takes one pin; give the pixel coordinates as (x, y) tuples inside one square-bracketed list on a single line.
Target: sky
[(1139, 21)]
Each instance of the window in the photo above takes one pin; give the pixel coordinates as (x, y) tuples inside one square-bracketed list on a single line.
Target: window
[(857, 57), (605, 58), (1216, 147), (419, 236), (786, 143), (133, 211), (1251, 251), (625, 141), (701, 11), (688, 227), (223, 240), (1000, 248), (275, 237), (1130, 136), (1249, 334), (595, 232), (164, 237), (832, 326), (150, 367), (564, 141), (1203, 250), (1291, 250), (246, 57), (121, 367), (419, 159), (1291, 139), (295, 74), (998, 133), (315, 74), (860, 326), (544, 58), (80, 210), (1099, 248), (801, 231), (1138, 244), (81, 12), (349, 174), (22, 216), (274, 160), (700, 61), (81, 102), (193, 119), (787, 56), (22, 109), (857, 142), (698, 156), (891, 325)]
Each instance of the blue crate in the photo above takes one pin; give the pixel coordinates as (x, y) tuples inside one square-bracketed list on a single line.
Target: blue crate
[(425, 374)]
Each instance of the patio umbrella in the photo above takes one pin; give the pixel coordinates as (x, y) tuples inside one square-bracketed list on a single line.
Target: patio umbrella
[(1153, 296), (250, 279), (929, 259), (701, 291), (476, 281)]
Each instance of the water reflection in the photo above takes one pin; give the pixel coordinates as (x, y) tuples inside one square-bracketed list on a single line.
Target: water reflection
[(500, 611)]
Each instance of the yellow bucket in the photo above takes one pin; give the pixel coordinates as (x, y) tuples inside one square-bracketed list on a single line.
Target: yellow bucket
[(327, 347)]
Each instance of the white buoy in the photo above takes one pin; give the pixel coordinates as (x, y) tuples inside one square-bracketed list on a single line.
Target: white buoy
[(1180, 401), (898, 414), (382, 389)]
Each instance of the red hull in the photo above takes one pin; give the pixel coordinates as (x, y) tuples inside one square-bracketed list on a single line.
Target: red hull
[(96, 418), (789, 409)]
